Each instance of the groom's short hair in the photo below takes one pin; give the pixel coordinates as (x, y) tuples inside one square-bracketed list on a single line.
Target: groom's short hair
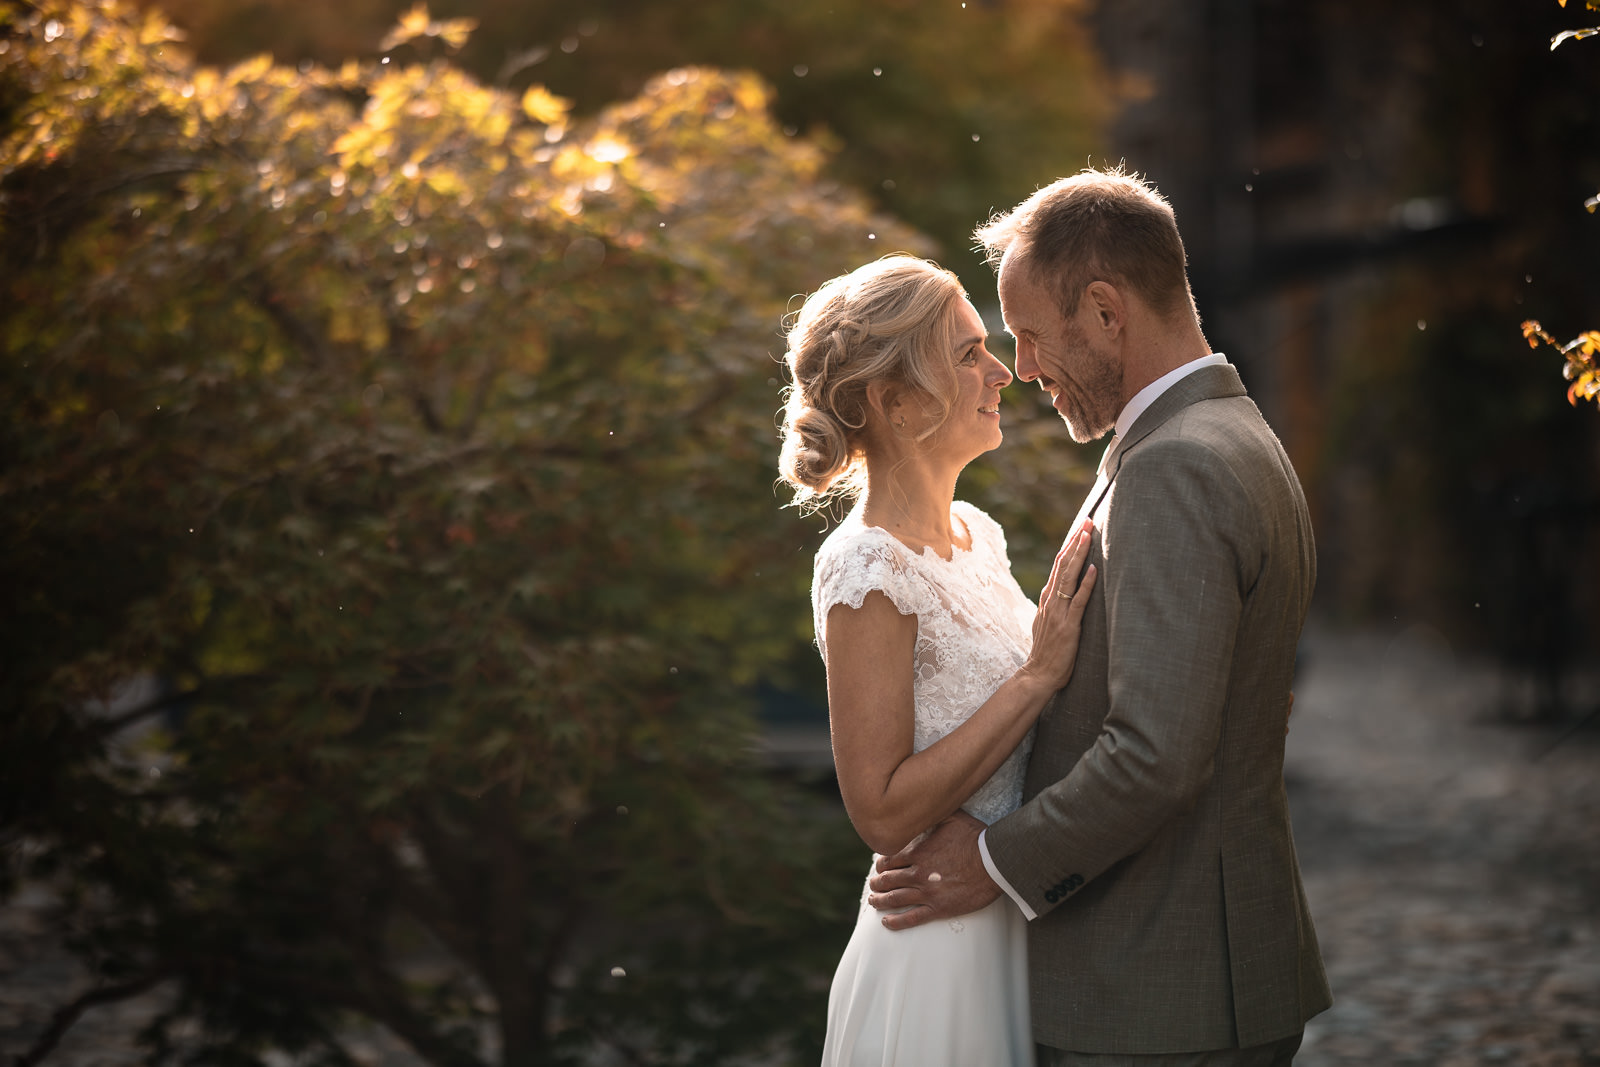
[(1104, 225)]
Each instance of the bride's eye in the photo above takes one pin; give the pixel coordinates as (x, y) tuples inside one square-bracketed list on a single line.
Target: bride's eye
[(970, 358)]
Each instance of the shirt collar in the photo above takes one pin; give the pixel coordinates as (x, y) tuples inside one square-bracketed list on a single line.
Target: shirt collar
[(1147, 396)]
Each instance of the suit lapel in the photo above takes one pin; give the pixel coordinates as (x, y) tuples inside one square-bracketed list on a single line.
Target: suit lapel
[(1097, 491), (1207, 383)]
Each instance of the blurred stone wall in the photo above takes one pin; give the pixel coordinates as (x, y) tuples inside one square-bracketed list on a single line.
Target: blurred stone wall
[(1373, 198)]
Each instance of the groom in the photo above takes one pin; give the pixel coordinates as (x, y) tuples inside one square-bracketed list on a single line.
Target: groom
[(1152, 852)]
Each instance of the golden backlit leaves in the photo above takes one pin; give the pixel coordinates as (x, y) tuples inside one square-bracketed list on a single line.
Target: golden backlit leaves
[(404, 201), (543, 106), (1582, 368), (416, 24)]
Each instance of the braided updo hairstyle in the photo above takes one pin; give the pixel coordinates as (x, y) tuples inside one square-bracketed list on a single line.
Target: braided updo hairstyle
[(891, 320)]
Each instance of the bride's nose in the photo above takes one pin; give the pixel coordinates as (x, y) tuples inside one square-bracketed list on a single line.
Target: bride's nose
[(998, 377)]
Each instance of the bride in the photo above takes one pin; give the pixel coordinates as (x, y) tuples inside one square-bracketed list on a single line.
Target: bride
[(937, 663)]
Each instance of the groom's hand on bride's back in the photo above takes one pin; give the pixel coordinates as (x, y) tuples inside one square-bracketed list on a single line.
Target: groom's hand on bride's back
[(938, 877)]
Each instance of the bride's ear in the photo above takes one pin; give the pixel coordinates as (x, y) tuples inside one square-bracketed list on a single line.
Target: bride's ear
[(886, 399)]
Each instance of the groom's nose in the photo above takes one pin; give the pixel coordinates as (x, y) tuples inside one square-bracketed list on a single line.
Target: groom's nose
[(1027, 365)]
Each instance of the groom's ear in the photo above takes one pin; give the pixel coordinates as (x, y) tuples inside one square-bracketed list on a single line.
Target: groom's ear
[(1109, 307)]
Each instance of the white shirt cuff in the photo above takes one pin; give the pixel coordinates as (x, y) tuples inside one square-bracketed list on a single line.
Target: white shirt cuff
[(1000, 879)]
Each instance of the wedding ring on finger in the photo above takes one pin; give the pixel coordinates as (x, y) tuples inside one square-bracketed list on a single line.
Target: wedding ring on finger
[(1064, 596)]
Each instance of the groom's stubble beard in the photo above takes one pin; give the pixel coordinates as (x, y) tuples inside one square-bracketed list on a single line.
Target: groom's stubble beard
[(1091, 406)]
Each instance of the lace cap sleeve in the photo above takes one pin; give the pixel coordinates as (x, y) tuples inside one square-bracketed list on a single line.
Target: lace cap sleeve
[(853, 563)]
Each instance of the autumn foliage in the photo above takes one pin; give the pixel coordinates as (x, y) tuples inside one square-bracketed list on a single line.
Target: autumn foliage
[(1580, 367), (390, 549)]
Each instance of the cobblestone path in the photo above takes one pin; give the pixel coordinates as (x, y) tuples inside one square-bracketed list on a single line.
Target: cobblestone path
[(1452, 861)]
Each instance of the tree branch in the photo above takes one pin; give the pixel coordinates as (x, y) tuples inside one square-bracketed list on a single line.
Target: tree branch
[(401, 354), (521, 994), (384, 1001), (480, 397), (302, 336), (424, 409), (458, 878), (386, 998), (104, 728), (418, 898), (65, 1016)]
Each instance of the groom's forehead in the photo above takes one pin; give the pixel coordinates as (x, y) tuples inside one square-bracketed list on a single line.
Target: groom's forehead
[(1022, 299)]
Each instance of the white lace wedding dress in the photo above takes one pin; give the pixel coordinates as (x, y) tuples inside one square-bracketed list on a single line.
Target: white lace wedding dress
[(946, 994)]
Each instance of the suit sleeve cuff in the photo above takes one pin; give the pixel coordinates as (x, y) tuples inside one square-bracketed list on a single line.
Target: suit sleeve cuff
[(1000, 879)]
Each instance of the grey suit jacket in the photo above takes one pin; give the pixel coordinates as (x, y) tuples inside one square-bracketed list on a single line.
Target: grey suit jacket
[(1154, 839)]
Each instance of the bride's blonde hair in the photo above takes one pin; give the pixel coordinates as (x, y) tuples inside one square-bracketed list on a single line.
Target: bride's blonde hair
[(890, 320)]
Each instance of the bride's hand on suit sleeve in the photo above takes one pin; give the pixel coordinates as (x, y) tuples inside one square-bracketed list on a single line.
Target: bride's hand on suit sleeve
[(1059, 621)]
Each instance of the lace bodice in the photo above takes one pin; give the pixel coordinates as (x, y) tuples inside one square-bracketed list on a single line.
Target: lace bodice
[(974, 627)]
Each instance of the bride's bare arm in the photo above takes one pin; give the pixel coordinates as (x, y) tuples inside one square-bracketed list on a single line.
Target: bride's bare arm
[(891, 793)]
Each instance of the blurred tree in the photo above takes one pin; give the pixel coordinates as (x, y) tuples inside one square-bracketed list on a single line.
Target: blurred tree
[(413, 441), (942, 111)]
